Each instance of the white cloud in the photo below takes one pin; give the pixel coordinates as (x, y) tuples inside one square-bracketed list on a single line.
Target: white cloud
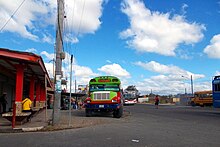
[(70, 38), (81, 74), (167, 69), (114, 70), (48, 38), (82, 71), (42, 14), (213, 49), (157, 32), (166, 85), (161, 84), (50, 69), (20, 23), (183, 9), (108, 61), (84, 15), (48, 56), (171, 79), (160, 68), (217, 73), (32, 50)]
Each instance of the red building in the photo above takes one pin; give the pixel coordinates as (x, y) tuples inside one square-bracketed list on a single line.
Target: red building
[(23, 74)]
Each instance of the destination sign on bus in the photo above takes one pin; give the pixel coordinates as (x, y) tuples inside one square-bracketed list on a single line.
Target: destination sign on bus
[(104, 80)]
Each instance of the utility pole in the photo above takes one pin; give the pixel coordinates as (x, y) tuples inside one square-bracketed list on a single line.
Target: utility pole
[(59, 57), (70, 90), (191, 79), (192, 85)]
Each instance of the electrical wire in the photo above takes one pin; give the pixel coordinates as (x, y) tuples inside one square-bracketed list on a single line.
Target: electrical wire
[(79, 27), (80, 23), (12, 15), (67, 31)]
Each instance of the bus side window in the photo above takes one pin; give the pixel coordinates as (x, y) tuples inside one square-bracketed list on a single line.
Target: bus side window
[(217, 87)]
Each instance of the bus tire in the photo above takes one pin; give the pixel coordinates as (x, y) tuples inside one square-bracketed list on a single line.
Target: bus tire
[(118, 113), (193, 104), (88, 113)]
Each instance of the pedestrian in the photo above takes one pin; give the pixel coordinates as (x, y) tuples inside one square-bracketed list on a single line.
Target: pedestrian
[(3, 101), (72, 103), (156, 101), (76, 105), (26, 105)]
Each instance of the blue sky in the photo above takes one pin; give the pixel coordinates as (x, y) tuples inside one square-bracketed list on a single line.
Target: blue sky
[(153, 44)]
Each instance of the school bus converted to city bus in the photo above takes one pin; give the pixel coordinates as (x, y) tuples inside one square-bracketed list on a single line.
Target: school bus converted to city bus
[(202, 98), (105, 95), (216, 91)]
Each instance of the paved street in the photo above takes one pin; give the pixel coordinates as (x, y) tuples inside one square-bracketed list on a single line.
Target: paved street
[(142, 125)]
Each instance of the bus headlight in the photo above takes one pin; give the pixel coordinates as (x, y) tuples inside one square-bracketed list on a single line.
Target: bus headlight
[(114, 101)]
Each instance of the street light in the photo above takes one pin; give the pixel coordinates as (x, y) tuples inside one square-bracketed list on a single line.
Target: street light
[(191, 83)]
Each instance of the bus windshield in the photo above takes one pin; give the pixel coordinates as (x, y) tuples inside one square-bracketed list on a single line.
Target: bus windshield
[(103, 87), (129, 96)]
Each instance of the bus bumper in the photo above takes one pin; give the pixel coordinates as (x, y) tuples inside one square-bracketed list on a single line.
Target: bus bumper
[(103, 106)]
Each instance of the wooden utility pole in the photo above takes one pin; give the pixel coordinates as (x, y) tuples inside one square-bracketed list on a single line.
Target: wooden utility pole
[(59, 57)]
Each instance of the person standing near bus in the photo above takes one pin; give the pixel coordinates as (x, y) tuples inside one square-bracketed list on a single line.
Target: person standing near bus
[(156, 101)]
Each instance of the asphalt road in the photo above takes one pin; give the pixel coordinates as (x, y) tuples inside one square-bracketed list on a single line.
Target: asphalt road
[(143, 126)]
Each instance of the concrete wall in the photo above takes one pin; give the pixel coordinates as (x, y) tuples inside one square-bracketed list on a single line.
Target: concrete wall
[(143, 100)]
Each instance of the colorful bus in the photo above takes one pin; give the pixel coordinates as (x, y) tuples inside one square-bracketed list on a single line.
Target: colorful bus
[(130, 95), (105, 95), (216, 91), (129, 99), (202, 98)]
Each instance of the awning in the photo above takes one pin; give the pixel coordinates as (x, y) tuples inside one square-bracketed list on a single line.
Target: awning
[(34, 65)]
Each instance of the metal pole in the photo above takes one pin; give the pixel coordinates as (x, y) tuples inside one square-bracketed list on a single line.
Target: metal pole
[(192, 85), (45, 86), (58, 73), (75, 86), (70, 90), (53, 68), (76, 100)]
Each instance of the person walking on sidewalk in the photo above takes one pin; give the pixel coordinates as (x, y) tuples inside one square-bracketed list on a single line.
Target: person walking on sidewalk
[(3, 102), (156, 101)]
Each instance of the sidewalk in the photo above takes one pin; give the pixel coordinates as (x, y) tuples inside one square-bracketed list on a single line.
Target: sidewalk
[(38, 122)]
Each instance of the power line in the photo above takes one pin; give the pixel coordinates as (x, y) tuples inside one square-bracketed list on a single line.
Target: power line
[(79, 28), (67, 42), (12, 15), (68, 30), (80, 23)]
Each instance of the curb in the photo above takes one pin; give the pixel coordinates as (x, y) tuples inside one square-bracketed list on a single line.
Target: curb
[(32, 129), (15, 130), (20, 130)]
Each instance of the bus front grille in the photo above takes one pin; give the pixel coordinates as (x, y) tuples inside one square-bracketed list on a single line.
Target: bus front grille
[(101, 95)]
